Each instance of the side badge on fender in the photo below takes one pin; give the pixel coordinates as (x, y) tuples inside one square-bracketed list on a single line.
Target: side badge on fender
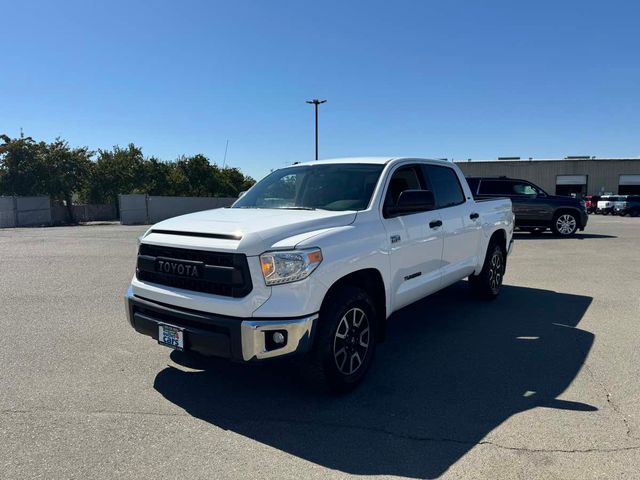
[(395, 238)]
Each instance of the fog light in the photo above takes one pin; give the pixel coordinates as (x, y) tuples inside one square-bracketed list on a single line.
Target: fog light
[(275, 339)]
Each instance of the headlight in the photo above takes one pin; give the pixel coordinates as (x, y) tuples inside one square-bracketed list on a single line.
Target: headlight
[(289, 266)]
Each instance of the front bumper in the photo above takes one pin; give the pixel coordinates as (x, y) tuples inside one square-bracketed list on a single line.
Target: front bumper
[(584, 219), (239, 339)]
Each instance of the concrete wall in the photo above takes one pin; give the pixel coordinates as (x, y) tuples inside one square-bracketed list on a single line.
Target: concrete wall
[(141, 209), (161, 208), (133, 209), (602, 175), (8, 218), (25, 211), (83, 213), (38, 211)]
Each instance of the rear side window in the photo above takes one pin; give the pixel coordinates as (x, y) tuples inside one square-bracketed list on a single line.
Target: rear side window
[(445, 185), (473, 184), (507, 187), (495, 187)]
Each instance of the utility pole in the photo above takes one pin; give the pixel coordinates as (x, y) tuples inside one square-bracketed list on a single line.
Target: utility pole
[(316, 102)]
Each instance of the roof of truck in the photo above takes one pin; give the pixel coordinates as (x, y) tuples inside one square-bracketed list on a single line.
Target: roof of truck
[(376, 160)]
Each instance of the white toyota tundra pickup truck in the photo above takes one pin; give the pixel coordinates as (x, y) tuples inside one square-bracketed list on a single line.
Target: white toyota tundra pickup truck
[(313, 259)]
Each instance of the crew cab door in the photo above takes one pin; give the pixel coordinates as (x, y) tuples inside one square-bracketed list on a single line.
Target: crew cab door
[(415, 242), (462, 227)]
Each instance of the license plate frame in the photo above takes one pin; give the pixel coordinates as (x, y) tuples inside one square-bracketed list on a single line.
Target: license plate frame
[(171, 336)]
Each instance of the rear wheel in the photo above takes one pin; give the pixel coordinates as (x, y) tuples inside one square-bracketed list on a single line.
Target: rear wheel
[(564, 224), (488, 283), (345, 342)]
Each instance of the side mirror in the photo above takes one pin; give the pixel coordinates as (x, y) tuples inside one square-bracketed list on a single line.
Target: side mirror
[(412, 201)]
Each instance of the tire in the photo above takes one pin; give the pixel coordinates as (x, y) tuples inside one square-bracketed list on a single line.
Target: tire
[(487, 284), (564, 224), (339, 358)]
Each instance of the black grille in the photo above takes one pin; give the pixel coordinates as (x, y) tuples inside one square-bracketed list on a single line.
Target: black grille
[(224, 274)]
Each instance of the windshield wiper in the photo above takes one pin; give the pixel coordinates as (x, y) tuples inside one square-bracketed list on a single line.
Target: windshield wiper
[(297, 208)]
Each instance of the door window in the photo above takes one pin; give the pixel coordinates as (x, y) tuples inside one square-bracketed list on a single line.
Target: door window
[(444, 183), (405, 178), (521, 188)]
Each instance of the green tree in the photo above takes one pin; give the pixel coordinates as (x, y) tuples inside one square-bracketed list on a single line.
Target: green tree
[(21, 166), (116, 171), (55, 169), (233, 182), (158, 177), (67, 171), (202, 179)]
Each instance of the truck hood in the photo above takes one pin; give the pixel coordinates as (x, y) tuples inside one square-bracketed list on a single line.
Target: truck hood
[(251, 231)]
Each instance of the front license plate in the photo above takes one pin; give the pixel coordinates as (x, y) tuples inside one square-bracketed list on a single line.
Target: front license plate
[(171, 336)]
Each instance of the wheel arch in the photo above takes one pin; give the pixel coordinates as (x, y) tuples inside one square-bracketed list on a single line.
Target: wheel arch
[(371, 281), (499, 237), (574, 211)]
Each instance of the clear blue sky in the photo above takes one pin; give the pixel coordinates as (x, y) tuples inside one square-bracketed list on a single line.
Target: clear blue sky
[(438, 79)]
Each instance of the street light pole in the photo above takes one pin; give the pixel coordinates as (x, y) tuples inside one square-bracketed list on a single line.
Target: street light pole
[(316, 102)]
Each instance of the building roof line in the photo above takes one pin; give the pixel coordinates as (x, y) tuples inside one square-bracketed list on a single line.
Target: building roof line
[(585, 159)]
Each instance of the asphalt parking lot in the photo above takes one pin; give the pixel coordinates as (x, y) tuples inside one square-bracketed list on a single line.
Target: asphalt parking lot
[(541, 383)]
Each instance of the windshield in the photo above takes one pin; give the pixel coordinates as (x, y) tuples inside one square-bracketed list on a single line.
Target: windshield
[(327, 187)]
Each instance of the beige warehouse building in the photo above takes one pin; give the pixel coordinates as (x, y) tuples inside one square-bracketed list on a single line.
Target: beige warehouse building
[(566, 176)]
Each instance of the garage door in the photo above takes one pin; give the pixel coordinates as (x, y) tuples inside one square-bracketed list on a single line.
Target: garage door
[(571, 185), (629, 185), (571, 180)]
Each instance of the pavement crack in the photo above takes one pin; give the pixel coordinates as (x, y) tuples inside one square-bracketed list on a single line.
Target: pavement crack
[(420, 438), (605, 389), (329, 425), (609, 397)]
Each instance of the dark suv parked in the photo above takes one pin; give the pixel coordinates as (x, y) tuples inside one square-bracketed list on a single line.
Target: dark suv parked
[(629, 206), (535, 210)]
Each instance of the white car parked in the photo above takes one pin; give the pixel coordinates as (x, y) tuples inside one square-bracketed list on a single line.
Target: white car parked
[(313, 259), (606, 204)]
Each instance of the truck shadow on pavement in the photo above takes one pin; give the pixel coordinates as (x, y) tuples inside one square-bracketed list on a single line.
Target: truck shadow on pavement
[(550, 236), (450, 371)]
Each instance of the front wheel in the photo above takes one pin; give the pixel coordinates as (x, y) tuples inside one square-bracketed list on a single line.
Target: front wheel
[(488, 283), (345, 342), (564, 225)]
